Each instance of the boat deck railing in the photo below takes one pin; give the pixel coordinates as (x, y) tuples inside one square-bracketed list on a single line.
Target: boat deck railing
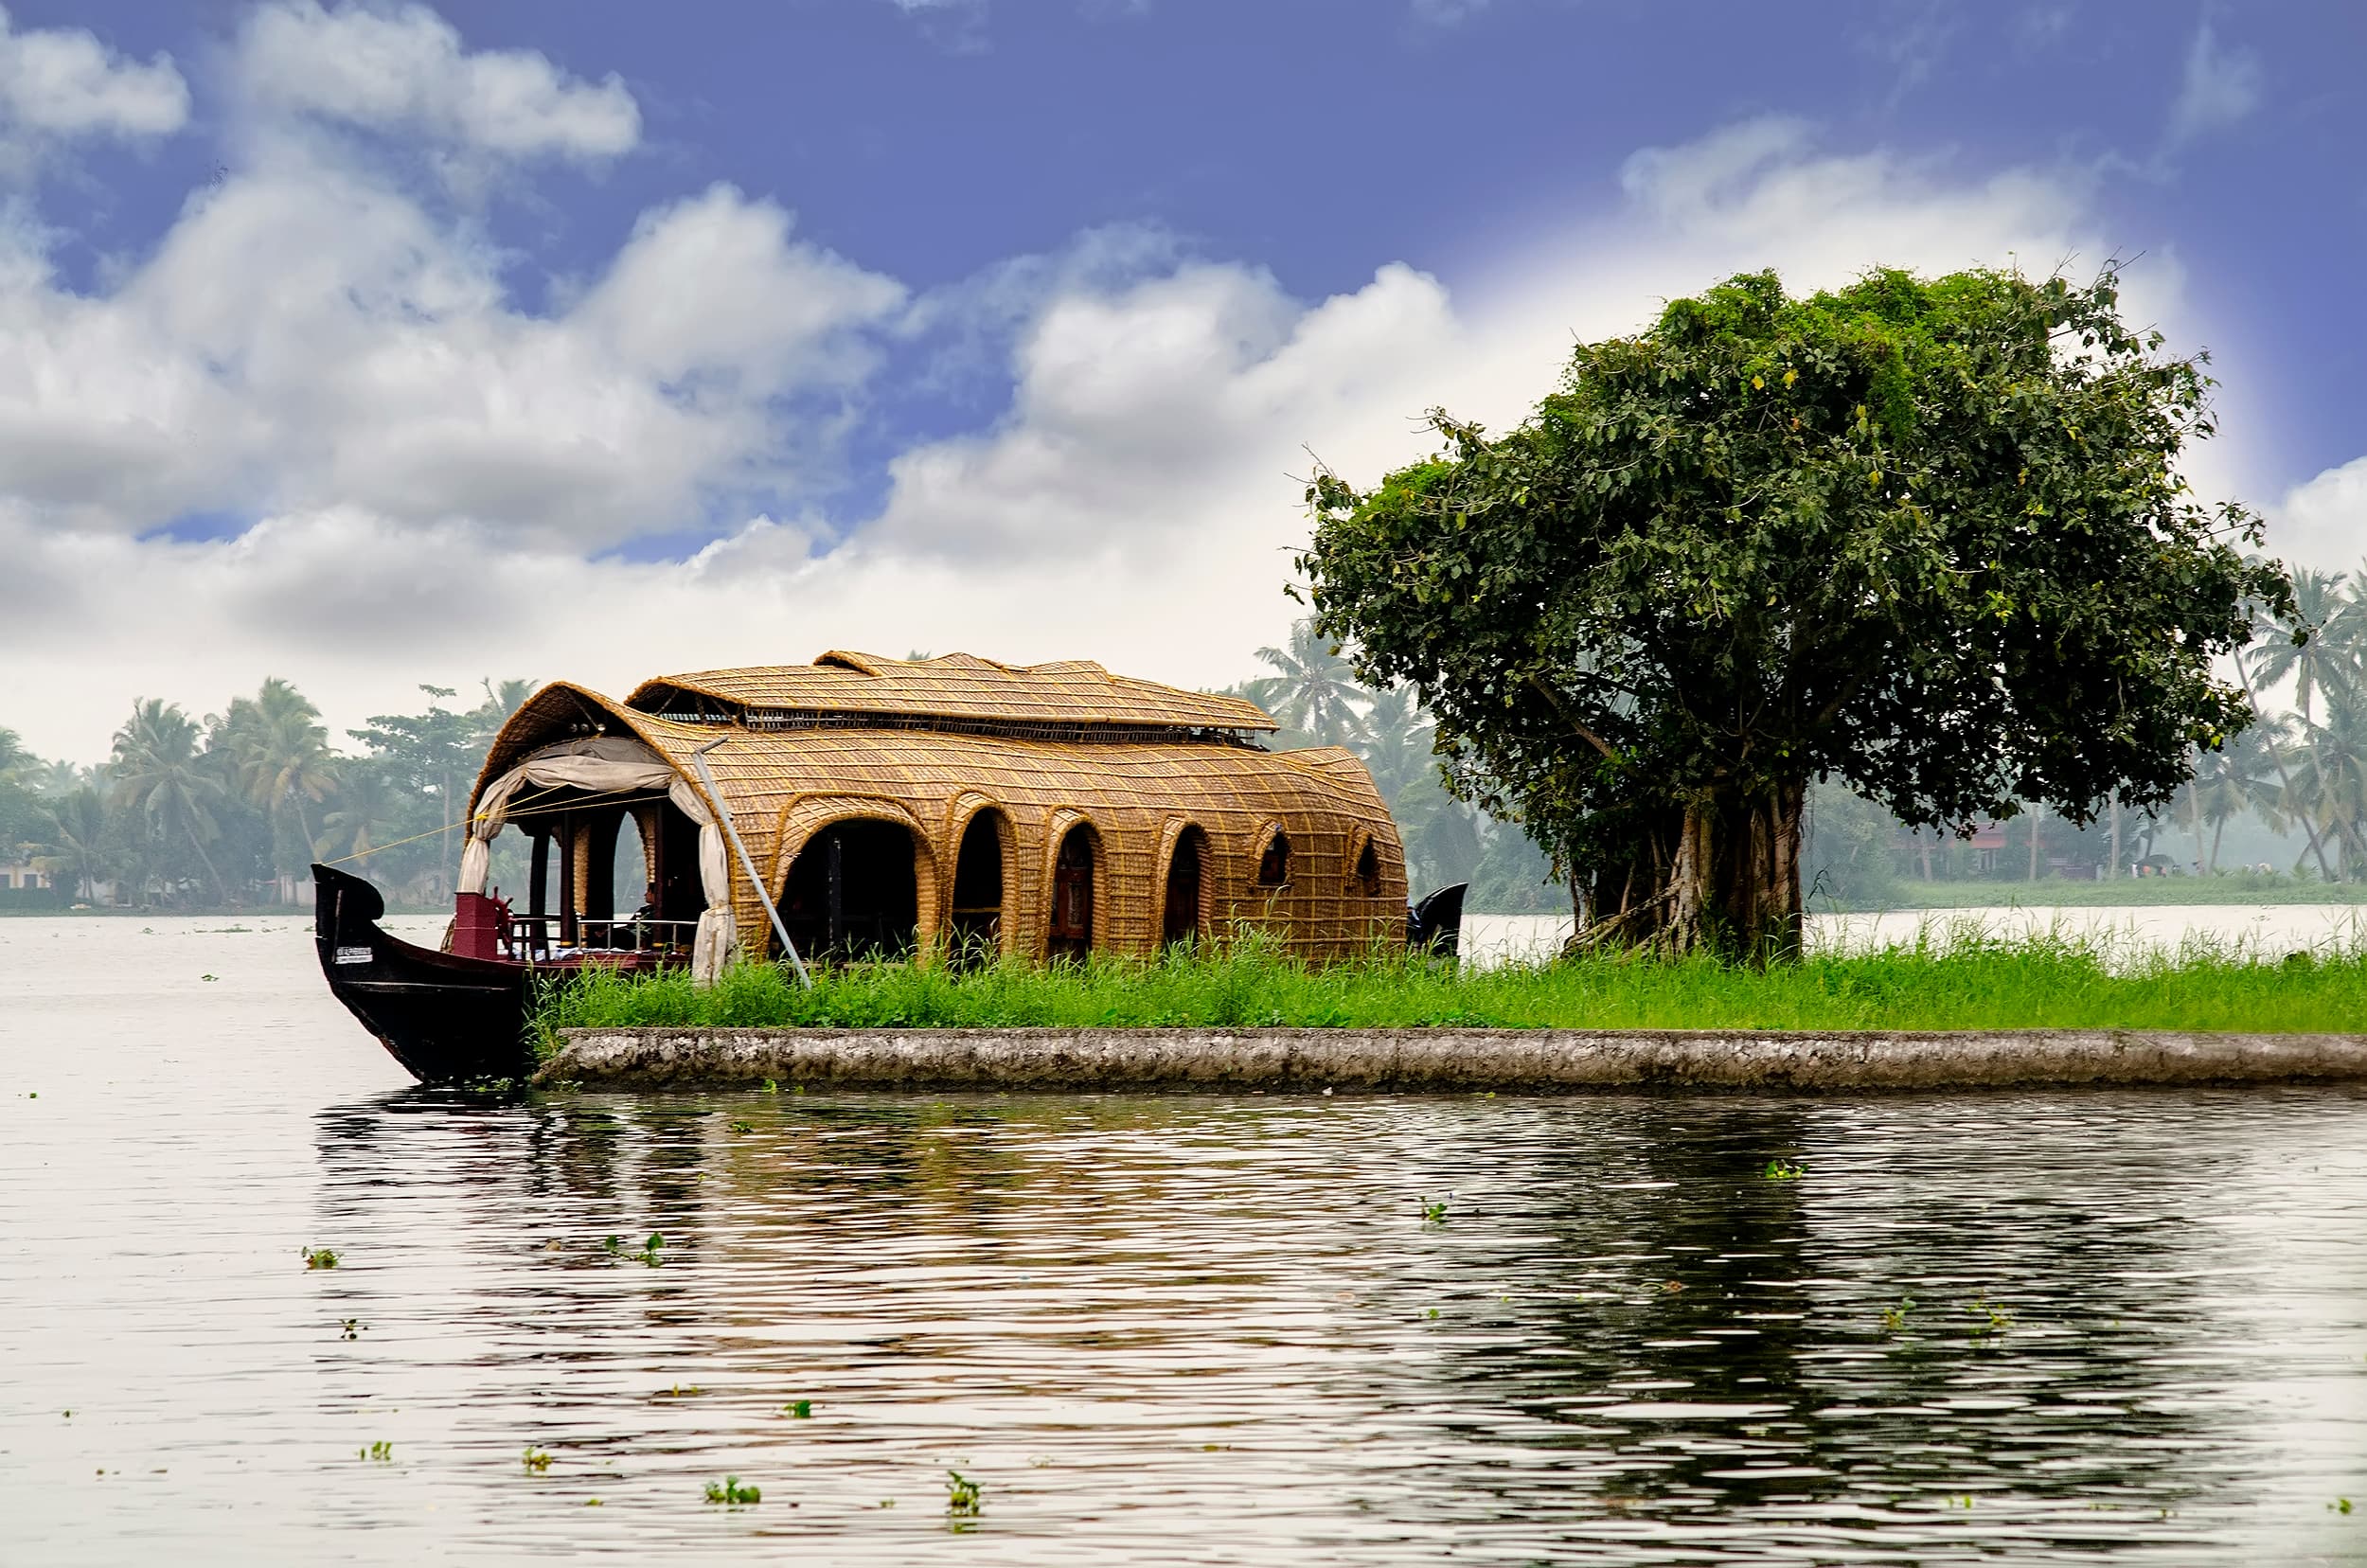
[(537, 936)]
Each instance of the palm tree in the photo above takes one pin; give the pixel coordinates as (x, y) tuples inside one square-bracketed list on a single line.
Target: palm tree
[(2288, 797), (2322, 664), (77, 840), (1396, 744), (279, 753), (363, 805), (160, 774), (2234, 779), (1314, 691), (52, 779), (502, 702), (2346, 633), (2335, 777)]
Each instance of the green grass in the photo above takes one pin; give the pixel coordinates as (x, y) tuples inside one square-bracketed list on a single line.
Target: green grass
[(1944, 980)]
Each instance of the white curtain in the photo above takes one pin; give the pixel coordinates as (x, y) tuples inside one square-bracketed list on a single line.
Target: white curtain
[(717, 942), (616, 763)]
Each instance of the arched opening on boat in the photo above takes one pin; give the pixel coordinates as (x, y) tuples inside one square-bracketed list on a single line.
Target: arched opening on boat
[(604, 874), (618, 861), (1184, 917), (1069, 934), (1273, 859), (854, 892), (1365, 871), (975, 928)]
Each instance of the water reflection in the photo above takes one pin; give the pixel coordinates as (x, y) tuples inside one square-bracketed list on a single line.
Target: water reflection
[(1228, 1323)]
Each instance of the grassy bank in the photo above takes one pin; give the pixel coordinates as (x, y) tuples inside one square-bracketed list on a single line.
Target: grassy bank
[(2042, 982)]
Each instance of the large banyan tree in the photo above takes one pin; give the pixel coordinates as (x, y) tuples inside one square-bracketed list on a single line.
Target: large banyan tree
[(1925, 537)]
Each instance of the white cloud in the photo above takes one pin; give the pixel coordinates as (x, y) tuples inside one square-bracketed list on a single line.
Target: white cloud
[(2220, 89), (63, 82), (406, 72), (438, 465), (386, 368), (1760, 184), (1170, 414), (2323, 523), (713, 286)]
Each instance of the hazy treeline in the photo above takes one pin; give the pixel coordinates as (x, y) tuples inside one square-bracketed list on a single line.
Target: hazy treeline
[(228, 810), (2302, 775)]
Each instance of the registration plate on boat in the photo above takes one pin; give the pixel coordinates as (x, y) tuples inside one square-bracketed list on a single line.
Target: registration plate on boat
[(353, 956)]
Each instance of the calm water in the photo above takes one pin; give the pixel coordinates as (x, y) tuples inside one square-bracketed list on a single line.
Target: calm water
[(1177, 1329)]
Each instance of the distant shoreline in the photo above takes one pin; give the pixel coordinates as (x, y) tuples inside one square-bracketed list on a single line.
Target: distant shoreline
[(1932, 897), (2129, 893)]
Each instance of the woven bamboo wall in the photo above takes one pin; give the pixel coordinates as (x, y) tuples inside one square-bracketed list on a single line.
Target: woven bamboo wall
[(783, 785)]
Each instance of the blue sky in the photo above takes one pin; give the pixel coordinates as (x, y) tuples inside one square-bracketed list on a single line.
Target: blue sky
[(370, 345)]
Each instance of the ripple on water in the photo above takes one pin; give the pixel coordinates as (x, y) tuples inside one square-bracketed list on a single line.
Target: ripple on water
[(2122, 1324)]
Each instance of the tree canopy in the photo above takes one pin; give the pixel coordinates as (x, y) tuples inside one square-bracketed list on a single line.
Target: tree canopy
[(1927, 537)]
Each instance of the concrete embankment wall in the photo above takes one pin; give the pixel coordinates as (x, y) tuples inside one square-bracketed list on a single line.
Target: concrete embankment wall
[(1436, 1060)]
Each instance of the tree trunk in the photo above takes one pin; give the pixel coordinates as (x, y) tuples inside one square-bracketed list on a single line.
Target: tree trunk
[(2116, 836), (2217, 828), (1724, 879), (222, 893), (2034, 843), (1687, 894)]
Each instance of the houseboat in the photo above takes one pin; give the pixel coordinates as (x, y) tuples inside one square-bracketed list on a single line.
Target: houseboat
[(947, 810)]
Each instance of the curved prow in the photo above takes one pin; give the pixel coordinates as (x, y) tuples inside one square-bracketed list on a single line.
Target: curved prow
[(445, 1016), (1435, 924), (345, 908)]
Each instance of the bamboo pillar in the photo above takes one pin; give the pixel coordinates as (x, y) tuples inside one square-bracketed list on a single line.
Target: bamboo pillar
[(570, 847), (600, 864)]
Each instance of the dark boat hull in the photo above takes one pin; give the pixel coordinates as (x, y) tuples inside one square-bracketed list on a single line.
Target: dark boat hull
[(450, 1019), (1435, 924), (445, 1018)]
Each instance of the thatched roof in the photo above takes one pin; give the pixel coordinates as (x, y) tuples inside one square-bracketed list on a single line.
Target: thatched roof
[(960, 686), (947, 738)]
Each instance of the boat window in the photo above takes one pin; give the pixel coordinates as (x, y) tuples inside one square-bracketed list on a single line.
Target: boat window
[(629, 869), (853, 893), (1274, 865), (1367, 877), (1070, 931), (1187, 874), (977, 924)]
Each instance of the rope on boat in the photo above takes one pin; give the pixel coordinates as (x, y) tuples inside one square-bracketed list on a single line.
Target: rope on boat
[(506, 816)]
